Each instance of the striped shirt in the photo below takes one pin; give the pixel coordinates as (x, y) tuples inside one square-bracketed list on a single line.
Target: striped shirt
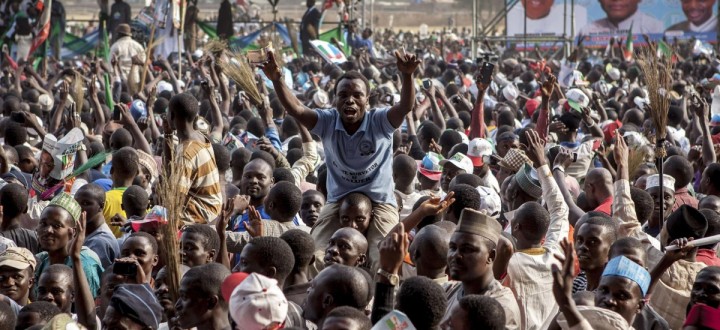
[(200, 182)]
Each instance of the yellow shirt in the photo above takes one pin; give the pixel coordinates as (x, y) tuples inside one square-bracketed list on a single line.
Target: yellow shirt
[(113, 205)]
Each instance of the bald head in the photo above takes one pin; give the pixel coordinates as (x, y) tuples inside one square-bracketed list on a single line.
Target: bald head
[(633, 116), (354, 236), (598, 186), (679, 168), (710, 202), (429, 249)]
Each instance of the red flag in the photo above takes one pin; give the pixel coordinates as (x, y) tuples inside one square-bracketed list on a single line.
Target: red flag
[(44, 27)]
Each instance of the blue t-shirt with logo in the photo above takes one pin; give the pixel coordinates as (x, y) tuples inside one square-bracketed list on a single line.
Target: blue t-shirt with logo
[(359, 162)]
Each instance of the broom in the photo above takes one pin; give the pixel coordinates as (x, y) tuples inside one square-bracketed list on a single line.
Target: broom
[(173, 200), (237, 68), (77, 92), (658, 78)]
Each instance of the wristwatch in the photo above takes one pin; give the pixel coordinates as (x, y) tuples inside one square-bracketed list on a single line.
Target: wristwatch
[(393, 278)]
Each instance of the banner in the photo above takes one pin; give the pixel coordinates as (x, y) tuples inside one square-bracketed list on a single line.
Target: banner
[(599, 20), (247, 41)]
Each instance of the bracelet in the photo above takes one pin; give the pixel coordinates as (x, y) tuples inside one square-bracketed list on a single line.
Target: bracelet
[(559, 167), (591, 123)]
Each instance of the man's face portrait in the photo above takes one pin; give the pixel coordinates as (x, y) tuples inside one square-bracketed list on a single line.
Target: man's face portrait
[(698, 11), (619, 10), (537, 9)]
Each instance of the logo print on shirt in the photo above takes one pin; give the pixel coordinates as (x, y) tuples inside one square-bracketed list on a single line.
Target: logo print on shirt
[(366, 148)]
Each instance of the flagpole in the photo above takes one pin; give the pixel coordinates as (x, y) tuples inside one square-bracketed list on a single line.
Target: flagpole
[(180, 37)]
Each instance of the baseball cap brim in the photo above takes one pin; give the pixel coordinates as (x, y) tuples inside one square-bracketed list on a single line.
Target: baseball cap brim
[(14, 264), (476, 160), (231, 282), (137, 223), (455, 163), (575, 105), (432, 175)]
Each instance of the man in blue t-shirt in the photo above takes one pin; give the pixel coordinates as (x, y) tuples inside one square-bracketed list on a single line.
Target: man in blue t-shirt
[(358, 146)]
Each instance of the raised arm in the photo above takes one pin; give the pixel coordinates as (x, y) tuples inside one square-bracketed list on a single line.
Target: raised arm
[(449, 107), (702, 111), (477, 121), (562, 161), (407, 64), (543, 123), (139, 140), (559, 225), (437, 115), (84, 303), (292, 105)]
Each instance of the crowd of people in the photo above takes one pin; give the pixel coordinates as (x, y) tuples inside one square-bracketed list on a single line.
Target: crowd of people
[(407, 186)]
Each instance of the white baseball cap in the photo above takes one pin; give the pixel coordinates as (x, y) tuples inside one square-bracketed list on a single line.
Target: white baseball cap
[(510, 92), (164, 86), (478, 149), (460, 161), (489, 201), (258, 302), (577, 99)]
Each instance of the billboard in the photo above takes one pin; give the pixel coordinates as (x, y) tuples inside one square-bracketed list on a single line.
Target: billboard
[(598, 20)]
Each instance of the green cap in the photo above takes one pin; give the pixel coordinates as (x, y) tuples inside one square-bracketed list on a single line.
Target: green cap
[(68, 203)]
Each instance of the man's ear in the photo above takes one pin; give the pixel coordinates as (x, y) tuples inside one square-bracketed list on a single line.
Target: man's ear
[(155, 260), (327, 301), (641, 305), (211, 255), (271, 272), (212, 302), (361, 260), (312, 260), (491, 256)]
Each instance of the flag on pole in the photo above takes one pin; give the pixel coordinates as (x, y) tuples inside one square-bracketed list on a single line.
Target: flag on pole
[(338, 34), (328, 51), (663, 49), (44, 24), (628, 52)]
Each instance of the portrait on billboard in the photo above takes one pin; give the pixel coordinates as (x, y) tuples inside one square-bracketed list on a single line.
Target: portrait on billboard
[(620, 15), (699, 16), (544, 17)]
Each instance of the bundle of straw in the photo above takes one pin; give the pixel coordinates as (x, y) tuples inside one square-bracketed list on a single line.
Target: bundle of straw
[(658, 77), (237, 68), (215, 47), (636, 157), (173, 200)]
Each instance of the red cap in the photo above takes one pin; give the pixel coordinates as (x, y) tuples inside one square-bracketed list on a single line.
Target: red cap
[(230, 283), (531, 105), (609, 130)]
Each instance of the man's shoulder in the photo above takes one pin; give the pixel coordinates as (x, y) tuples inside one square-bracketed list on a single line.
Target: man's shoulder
[(681, 26)]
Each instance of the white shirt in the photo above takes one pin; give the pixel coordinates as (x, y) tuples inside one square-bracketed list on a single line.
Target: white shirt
[(125, 48), (550, 24), (641, 23)]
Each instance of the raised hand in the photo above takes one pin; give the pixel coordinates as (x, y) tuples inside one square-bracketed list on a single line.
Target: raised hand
[(225, 215), (77, 242), (548, 86), (118, 220), (406, 63), (564, 158), (254, 225), (271, 69), (436, 205), (240, 204), (393, 249), (557, 127), (620, 152), (700, 108), (563, 277), (535, 148), (434, 147)]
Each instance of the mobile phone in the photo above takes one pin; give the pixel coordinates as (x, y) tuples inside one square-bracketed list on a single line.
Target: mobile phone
[(486, 72), (117, 113), (17, 117), (575, 155), (125, 269), (427, 83)]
